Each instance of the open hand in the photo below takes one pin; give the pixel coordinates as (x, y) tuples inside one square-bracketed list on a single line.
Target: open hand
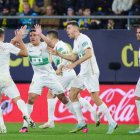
[(38, 29)]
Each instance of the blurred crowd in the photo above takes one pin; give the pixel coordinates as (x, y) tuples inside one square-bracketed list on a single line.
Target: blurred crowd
[(65, 7)]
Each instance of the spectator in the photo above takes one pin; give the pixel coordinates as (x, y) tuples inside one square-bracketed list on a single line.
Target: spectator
[(61, 6), (12, 3), (50, 23), (103, 7), (110, 24), (1, 5), (9, 3), (27, 11), (7, 23), (88, 23), (70, 12), (40, 6), (22, 2), (135, 11), (81, 4), (79, 12)]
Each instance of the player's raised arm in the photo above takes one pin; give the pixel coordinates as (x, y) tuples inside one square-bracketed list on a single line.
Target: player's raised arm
[(39, 32), (18, 39)]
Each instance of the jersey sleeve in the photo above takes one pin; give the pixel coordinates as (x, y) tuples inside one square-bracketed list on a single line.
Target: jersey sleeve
[(85, 43), (12, 49), (62, 48)]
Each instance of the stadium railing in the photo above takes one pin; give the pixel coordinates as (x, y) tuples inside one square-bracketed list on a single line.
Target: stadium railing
[(128, 18)]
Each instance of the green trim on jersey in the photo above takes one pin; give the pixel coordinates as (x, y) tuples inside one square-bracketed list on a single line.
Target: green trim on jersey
[(84, 44), (60, 49), (81, 53), (57, 61), (38, 61)]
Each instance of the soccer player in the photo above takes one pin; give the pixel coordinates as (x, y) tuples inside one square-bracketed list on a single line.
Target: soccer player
[(44, 75), (88, 76), (7, 85), (65, 77), (137, 91)]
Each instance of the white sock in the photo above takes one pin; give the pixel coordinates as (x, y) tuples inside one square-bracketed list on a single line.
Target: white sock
[(22, 107), (138, 110), (88, 106), (29, 109), (51, 109), (78, 111), (1, 117), (104, 109), (69, 106)]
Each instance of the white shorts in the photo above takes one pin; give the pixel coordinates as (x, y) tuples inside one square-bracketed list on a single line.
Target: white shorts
[(8, 87), (67, 78), (137, 90), (50, 81), (90, 82)]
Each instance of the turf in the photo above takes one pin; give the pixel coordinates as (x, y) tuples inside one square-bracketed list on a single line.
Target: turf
[(61, 132)]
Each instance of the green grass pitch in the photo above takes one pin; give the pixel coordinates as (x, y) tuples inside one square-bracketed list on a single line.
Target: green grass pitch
[(61, 132)]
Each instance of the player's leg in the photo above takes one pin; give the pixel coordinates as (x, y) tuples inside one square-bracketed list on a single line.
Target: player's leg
[(31, 99), (92, 85), (137, 130), (66, 82), (34, 91), (137, 101), (104, 109), (77, 108), (13, 93), (58, 90), (86, 104), (2, 125), (51, 108)]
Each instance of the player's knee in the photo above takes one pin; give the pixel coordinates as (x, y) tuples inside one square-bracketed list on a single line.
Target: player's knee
[(16, 99), (63, 98), (138, 98), (31, 99)]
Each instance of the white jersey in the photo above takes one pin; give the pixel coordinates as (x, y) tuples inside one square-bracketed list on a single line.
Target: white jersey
[(61, 47), (40, 59), (80, 45), (5, 50)]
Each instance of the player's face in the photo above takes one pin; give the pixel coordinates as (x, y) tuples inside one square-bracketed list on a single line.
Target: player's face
[(138, 34), (34, 38), (71, 31)]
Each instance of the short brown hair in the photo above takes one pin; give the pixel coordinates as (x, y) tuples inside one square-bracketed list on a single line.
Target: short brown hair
[(54, 33), (73, 22)]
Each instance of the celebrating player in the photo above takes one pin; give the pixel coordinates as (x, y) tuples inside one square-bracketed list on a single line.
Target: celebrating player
[(88, 76), (137, 91), (65, 77), (7, 85), (44, 75)]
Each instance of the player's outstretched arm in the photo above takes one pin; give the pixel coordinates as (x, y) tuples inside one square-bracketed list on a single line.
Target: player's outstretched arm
[(39, 32), (87, 56), (72, 57), (18, 38)]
